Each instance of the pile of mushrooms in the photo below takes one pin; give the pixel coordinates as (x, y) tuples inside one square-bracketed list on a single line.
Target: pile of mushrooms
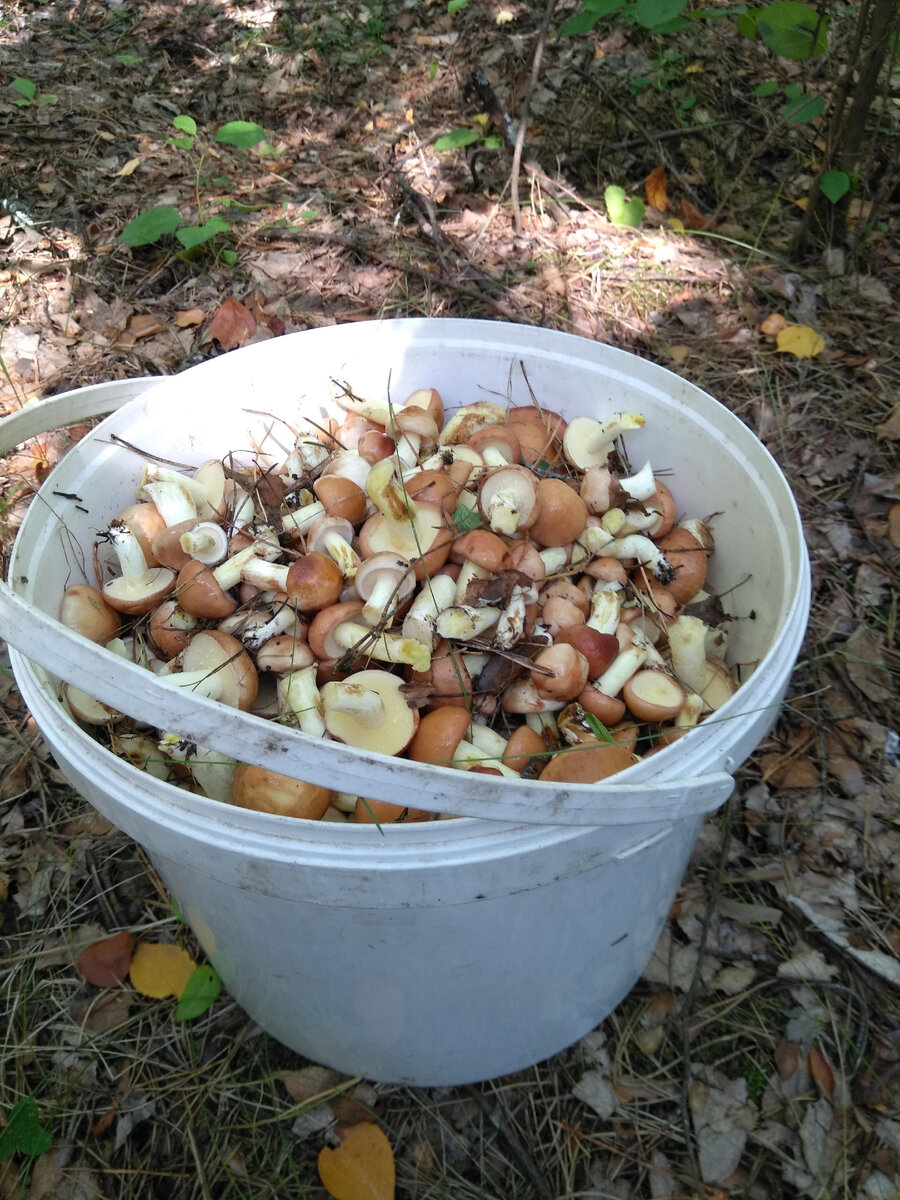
[(495, 591)]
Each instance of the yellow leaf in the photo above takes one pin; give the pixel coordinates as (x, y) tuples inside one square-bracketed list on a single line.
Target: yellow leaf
[(800, 340), (504, 16), (482, 120), (129, 169), (361, 1167), (694, 68), (656, 189), (803, 202), (677, 224), (159, 970), (679, 353)]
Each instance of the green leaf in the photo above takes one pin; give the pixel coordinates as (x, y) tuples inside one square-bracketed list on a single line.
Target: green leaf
[(804, 108), (835, 184), (25, 88), (466, 518), (456, 5), (582, 22), (46, 98), (746, 24), (602, 8), (200, 993), (23, 1132), (457, 138), (229, 256), (150, 226), (128, 60), (793, 91), (793, 30), (621, 211), (185, 123), (653, 13), (181, 143), (597, 728), (241, 133), (765, 89), (494, 142), (196, 235)]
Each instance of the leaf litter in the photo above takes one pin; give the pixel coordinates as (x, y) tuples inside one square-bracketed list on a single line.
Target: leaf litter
[(760, 1052)]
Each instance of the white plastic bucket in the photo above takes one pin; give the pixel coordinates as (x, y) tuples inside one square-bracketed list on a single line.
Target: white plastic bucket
[(435, 953)]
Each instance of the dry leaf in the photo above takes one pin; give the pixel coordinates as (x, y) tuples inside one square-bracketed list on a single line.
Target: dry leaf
[(679, 353), (787, 1058), (821, 1072), (140, 326), (104, 1121), (773, 324), (866, 667), (789, 772), (103, 1011), (189, 316), (129, 169), (693, 218), (800, 340), (656, 189), (232, 325), (889, 430), (160, 969), (894, 526), (106, 963), (361, 1167), (310, 1083)]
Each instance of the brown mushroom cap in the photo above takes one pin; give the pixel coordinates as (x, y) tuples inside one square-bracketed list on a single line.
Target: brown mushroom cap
[(540, 433), (598, 648), (688, 559), (481, 547), (170, 628), (83, 609), (608, 709), (568, 672), (263, 790), (588, 762), (200, 594), (167, 548), (368, 812), (507, 498), (341, 497), (561, 513), (314, 581), (440, 732), (522, 746), (145, 522), (447, 677)]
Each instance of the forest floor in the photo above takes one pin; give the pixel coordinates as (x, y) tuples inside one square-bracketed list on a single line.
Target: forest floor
[(759, 1055)]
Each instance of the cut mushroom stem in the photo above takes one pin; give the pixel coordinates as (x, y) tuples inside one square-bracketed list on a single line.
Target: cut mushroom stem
[(435, 594), (647, 553), (462, 622), (173, 501), (687, 650), (606, 609), (386, 647), (300, 701), (623, 666), (205, 541)]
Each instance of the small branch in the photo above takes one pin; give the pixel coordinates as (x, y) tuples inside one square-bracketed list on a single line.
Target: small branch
[(523, 119)]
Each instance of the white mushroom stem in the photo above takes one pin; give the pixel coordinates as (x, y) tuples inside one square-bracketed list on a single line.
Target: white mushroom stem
[(463, 622), (467, 572), (173, 502), (229, 573), (267, 576), (691, 711), (647, 553), (241, 508), (387, 493), (156, 473), (543, 722), (351, 699), (623, 666), (595, 539), (202, 682), (511, 623), (554, 558), (687, 650), (256, 634), (641, 485), (435, 594), (132, 563), (467, 755), (309, 452), (385, 647), (486, 739), (207, 542), (378, 411), (503, 510), (340, 551), (613, 521), (300, 701), (606, 609), (299, 521)]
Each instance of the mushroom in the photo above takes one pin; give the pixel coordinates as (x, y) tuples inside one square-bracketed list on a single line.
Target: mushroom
[(466, 421), (369, 711), (686, 549), (139, 588), (204, 591), (205, 541), (170, 628), (435, 594), (341, 497), (84, 609), (587, 442), (507, 498), (588, 762), (263, 790), (417, 531), (652, 694), (561, 513), (145, 520), (448, 679), (497, 444), (312, 582), (384, 581), (336, 631), (441, 739), (333, 535), (540, 432), (215, 665), (300, 701), (560, 672), (212, 772)]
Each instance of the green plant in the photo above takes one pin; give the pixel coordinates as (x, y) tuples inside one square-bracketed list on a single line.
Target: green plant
[(457, 138), (28, 94), (158, 222), (23, 1132)]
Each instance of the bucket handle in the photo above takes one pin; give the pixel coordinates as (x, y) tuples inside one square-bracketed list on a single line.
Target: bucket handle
[(130, 688)]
